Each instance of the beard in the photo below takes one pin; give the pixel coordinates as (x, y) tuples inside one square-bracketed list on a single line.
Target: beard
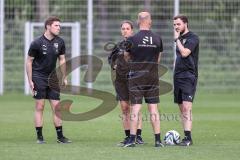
[(54, 34), (181, 33)]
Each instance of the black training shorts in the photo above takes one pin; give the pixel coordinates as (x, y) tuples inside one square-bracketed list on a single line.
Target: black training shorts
[(143, 85), (184, 89), (42, 89)]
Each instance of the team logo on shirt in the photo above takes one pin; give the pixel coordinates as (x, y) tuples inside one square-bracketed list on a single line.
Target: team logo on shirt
[(56, 47), (44, 49), (35, 93), (148, 40), (184, 41)]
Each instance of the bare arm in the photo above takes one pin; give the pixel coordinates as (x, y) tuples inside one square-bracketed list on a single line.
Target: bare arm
[(159, 57), (62, 63), (184, 51), (29, 72)]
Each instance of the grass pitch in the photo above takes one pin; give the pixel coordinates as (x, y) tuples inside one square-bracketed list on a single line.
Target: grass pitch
[(216, 128)]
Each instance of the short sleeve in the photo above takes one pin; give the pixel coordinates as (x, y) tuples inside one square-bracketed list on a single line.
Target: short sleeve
[(113, 56), (63, 48), (192, 43), (161, 46), (33, 49)]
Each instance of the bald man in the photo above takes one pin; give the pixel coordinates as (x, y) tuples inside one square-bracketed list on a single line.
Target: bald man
[(145, 51)]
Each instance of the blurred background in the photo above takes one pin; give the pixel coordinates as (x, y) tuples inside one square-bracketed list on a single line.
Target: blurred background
[(215, 21)]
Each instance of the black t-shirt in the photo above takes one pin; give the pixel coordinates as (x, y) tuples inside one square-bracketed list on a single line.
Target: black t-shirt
[(45, 53), (144, 50), (187, 66), (117, 58), (146, 46), (122, 67)]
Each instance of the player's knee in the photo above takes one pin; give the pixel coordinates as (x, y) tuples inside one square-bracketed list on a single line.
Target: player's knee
[(125, 110), (185, 109), (39, 107), (153, 110), (154, 116), (134, 117)]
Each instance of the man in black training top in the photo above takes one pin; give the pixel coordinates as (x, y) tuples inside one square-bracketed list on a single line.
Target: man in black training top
[(41, 62), (185, 73), (144, 53)]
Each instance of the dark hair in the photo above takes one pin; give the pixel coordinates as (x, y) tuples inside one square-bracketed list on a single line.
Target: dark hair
[(182, 17), (50, 21), (128, 22)]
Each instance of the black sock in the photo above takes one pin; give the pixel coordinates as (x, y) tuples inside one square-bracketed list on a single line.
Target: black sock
[(139, 132), (157, 137), (132, 138), (59, 131), (39, 131), (127, 133), (188, 135)]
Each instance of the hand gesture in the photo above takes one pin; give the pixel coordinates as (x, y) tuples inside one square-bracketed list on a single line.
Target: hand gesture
[(176, 34), (64, 82)]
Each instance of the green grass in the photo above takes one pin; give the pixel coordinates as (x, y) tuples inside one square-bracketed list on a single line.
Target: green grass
[(215, 131)]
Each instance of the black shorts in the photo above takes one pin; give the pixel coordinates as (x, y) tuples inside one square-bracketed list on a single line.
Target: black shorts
[(145, 86), (121, 87), (184, 89), (42, 90)]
